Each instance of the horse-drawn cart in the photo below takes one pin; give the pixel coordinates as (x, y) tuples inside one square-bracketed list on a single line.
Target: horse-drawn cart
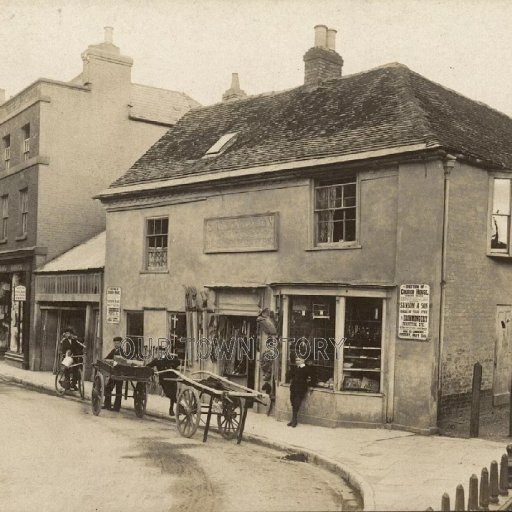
[(227, 400), (135, 376)]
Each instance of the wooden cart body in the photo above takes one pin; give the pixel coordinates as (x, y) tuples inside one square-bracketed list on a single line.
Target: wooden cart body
[(135, 377), (227, 400)]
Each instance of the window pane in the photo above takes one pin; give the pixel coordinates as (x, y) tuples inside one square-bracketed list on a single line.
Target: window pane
[(350, 231), (501, 199), (499, 232), (151, 227), (322, 195), (165, 226), (338, 232)]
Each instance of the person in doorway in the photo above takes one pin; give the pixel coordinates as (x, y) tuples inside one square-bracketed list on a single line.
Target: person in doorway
[(301, 376), (167, 361), (118, 384), (69, 343)]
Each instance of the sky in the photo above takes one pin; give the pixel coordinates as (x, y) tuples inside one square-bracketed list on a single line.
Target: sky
[(195, 45)]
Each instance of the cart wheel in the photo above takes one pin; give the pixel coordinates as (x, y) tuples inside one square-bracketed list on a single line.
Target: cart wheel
[(188, 412), (98, 388), (60, 382), (81, 385), (140, 399), (229, 421)]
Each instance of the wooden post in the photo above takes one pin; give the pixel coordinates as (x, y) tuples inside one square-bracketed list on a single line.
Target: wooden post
[(504, 475), (459, 498), (445, 503), (473, 493), (475, 401), (510, 410), (509, 474), (484, 490), (493, 483)]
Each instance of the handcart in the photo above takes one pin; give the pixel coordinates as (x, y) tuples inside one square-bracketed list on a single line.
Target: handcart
[(135, 376), (227, 400)]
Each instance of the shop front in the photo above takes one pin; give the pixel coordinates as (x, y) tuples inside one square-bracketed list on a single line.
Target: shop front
[(15, 298), (342, 333)]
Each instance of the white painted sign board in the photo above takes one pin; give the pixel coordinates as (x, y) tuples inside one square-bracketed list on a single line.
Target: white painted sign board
[(20, 293), (413, 311), (113, 305)]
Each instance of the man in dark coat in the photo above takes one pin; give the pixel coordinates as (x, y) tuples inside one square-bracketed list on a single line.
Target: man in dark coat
[(167, 362), (69, 341), (118, 384), (301, 377)]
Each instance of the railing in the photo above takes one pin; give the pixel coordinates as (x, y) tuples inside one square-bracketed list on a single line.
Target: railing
[(69, 284)]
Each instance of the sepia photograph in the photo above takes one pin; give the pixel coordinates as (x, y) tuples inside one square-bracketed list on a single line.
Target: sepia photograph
[(255, 255)]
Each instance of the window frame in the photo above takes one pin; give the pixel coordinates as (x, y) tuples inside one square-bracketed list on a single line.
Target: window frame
[(24, 211), (26, 141), (146, 269), (313, 245), (5, 217), (498, 253), (6, 139)]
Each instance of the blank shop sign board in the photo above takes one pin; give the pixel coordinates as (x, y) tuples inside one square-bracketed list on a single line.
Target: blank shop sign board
[(413, 311)]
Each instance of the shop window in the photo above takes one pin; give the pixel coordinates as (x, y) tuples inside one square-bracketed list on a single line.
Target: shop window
[(335, 209), (312, 334), (156, 243), (24, 211), (499, 242), (362, 362), (5, 216), (135, 333), (177, 333)]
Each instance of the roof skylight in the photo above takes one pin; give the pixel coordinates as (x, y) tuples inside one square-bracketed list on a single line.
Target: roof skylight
[(220, 144)]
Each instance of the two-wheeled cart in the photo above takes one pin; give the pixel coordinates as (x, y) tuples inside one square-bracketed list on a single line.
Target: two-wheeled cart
[(135, 380), (227, 400)]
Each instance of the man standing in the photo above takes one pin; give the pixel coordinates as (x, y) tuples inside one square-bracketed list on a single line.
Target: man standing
[(301, 377), (69, 341), (162, 362), (118, 384)]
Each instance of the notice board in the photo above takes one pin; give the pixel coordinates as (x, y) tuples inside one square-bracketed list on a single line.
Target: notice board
[(413, 311)]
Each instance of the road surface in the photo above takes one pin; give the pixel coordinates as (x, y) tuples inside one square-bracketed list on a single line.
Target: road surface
[(55, 455)]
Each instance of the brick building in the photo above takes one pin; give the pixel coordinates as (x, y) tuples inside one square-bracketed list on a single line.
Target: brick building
[(372, 208), (61, 143)]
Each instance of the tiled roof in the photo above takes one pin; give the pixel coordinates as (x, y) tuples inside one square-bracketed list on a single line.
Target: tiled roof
[(89, 255), (159, 105), (386, 107)]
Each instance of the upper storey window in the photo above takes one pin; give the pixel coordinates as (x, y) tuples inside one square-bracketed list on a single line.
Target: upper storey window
[(157, 230), (26, 142), (499, 239), (335, 210), (223, 143), (7, 151)]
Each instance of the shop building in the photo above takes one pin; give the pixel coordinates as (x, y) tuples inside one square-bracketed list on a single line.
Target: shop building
[(68, 294), (61, 143), (372, 210)]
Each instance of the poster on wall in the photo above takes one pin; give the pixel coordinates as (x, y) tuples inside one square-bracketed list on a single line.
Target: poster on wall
[(113, 305), (413, 311)]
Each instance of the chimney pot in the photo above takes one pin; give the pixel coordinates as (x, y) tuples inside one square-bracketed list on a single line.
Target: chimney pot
[(235, 82), (109, 35), (234, 92), (331, 39), (321, 36)]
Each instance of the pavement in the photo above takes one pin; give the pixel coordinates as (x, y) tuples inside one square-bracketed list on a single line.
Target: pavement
[(391, 469)]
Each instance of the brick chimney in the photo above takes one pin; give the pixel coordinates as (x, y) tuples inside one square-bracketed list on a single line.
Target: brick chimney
[(105, 67), (234, 92), (322, 62)]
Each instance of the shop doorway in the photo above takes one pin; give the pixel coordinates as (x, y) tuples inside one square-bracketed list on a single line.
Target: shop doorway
[(53, 323), (237, 349)]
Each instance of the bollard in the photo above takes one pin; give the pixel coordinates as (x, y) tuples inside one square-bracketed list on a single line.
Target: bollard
[(473, 493), (445, 503), (484, 490), (494, 483), (459, 498), (474, 422), (504, 475)]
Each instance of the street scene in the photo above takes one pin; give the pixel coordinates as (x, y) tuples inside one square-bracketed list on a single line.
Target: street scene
[(255, 256)]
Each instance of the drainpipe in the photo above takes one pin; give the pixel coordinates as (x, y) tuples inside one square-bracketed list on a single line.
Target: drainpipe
[(448, 165)]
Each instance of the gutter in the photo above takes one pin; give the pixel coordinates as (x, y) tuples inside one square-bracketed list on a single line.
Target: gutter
[(260, 170), (449, 164)]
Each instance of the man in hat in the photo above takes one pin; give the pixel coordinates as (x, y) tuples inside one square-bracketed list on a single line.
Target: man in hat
[(69, 341), (301, 377), (118, 384)]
